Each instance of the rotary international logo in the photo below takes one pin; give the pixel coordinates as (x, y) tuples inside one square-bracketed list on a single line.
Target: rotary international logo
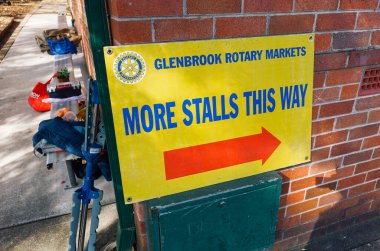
[(129, 67)]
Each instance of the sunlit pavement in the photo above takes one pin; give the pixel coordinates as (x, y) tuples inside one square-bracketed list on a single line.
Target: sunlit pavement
[(30, 192)]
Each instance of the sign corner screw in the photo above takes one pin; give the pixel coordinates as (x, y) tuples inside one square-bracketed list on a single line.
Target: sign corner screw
[(129, 199), (109, 51)]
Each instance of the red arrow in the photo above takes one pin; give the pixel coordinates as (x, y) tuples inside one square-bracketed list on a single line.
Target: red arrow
[(207, 157)]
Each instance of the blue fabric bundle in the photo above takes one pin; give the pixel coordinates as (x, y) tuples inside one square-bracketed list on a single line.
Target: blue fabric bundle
[(62, 46)]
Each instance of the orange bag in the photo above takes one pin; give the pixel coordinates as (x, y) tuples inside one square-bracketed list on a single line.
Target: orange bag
[(37, 95)]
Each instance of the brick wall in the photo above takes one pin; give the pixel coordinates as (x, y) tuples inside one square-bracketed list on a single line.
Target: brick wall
[(341, 185), (79, 14)]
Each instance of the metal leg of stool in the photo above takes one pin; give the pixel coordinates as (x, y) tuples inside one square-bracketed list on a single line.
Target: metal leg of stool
[(70, 172)]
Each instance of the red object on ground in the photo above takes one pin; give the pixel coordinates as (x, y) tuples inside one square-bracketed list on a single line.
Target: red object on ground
[(36, 96)]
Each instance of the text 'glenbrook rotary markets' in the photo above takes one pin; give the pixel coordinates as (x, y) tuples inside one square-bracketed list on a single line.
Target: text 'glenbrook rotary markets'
[(228, 57)]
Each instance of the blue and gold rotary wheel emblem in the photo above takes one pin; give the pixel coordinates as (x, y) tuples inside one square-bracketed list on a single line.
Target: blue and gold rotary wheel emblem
[(129, 67)]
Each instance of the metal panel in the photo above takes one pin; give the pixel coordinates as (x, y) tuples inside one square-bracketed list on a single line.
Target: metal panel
[(236, 215)]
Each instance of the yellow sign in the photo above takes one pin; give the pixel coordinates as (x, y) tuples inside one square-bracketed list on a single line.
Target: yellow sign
[(192, 114)]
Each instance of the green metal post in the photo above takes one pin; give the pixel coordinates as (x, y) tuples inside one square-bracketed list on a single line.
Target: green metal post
[(97, 21)]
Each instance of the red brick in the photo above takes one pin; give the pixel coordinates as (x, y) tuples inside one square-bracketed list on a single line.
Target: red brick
[(319, 232), (367, 166), (145, 8), (314, 214), (378, 184), (183, 29), (344, 76), (375, 205), (368, 20), (326, 165), (304, 238), (345, 40), (319, 79), (371, 142), (351, 120), (349, 91), (338, 21), (355, 4), (333, 197), (307, 182), (374, 195), (375, 38), (362, 58), (281, 213), (322, 126), (376, 153), (326, 95), (361, 209), (292, 198), (283, 245), (315, 112), (291, 24), (331, 138), (345, 148), (339, 222), (330, 61), (131, 31), (338, 174), (301, 207), (361, 189), (301, 229), (368, 103), (364, 131), (322, 42), (288, 222), (294, 173), (240, 26), (277, 235), (213, 6), (357, 157), (374, 175), (309, 5), (374, 116), (332, 216), (320, 154), (285, 188), (351, 181), (320, 190), (344, 204), (336, 109), (268, 5)]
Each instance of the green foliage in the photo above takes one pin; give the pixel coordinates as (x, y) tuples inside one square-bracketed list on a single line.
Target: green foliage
[(63, 73)]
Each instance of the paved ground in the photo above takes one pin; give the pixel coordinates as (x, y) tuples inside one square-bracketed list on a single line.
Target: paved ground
[(52, 234), (364, 236), (17, 11), (29, 192), (373, 246)]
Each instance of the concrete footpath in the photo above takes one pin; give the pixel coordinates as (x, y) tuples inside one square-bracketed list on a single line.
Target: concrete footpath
[(29, 192)]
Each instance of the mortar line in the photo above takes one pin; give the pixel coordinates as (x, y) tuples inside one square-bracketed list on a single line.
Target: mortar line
[(184, 8), (213, 27), (153, 30), (356, 20), (267, 25)]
